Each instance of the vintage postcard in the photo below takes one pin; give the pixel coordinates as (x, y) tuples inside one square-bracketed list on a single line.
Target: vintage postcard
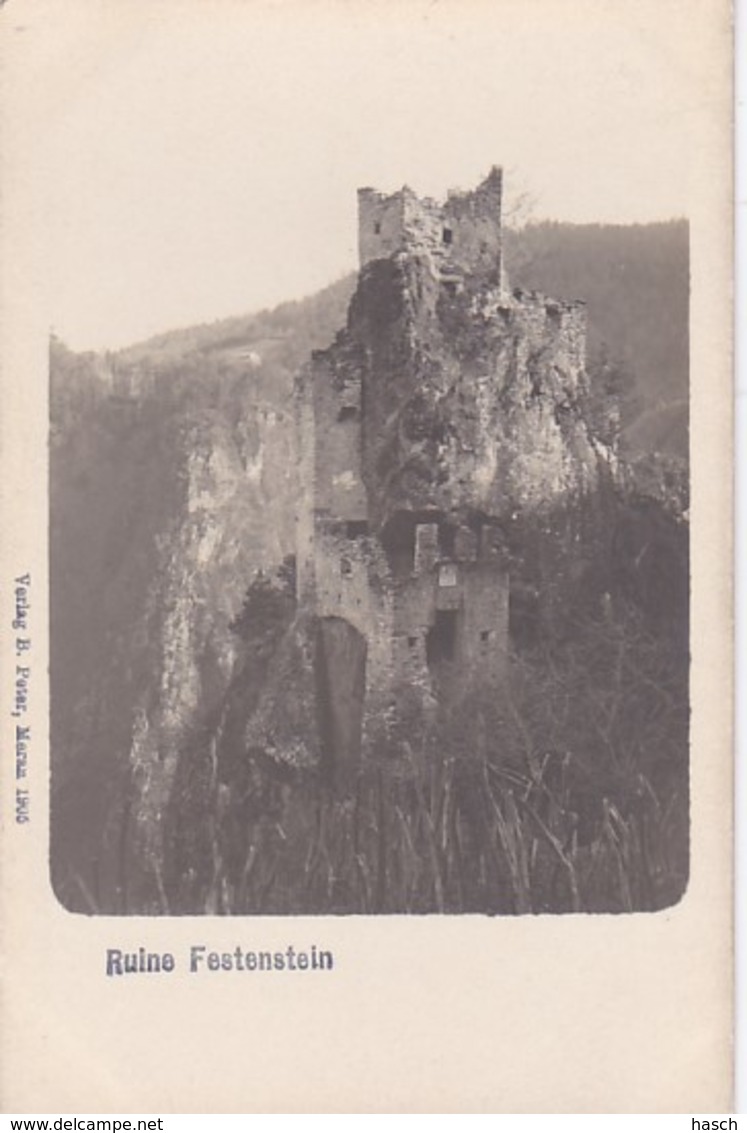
[(366, 581)]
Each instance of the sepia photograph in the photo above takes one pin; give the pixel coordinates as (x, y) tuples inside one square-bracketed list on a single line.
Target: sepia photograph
[(375, 600), (366, 588)]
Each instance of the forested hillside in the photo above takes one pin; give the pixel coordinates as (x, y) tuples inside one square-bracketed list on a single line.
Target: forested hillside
[(634, 278)]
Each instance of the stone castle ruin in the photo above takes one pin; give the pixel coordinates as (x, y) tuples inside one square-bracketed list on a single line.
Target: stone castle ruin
[(448, 406)]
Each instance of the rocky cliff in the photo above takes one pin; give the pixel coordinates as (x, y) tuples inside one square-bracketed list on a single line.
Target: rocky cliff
[(474, 396), (164, 470)]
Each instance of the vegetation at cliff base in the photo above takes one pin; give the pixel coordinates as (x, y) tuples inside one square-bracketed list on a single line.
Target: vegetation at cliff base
[(170, 490)]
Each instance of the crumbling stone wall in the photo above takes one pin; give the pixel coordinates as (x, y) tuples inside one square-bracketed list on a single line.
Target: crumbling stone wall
[(327, 401), (461, 236), (352, 583)]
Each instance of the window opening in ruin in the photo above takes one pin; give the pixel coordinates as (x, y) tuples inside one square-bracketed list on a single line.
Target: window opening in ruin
[(449, 286), (398, 538), (346, 567), (440, 643), (412, 642), (446, 539), (377, 228), (484, 635), (447, 575), (447, 236), (348, 413), (356, 528)]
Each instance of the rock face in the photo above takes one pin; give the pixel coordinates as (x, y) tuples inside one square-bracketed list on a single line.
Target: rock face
[(448, 406), (206, 563), (176, 510), (479, 410)]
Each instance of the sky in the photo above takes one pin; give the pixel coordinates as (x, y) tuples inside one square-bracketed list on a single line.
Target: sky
[(193, 160)]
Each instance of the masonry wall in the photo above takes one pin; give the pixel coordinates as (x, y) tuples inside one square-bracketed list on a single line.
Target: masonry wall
[(351, 584), (475, 219), (380, 225), (484, 642), (459, 237), (336, 396)]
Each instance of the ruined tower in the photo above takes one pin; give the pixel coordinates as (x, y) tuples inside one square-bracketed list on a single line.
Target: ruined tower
[(447, 404)]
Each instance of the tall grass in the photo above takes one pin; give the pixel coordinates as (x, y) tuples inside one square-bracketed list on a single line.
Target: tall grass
[(456, 836), (566, 794)]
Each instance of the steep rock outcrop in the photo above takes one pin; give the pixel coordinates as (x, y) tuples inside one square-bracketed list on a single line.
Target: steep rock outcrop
[(474, 396), (195, 542)]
